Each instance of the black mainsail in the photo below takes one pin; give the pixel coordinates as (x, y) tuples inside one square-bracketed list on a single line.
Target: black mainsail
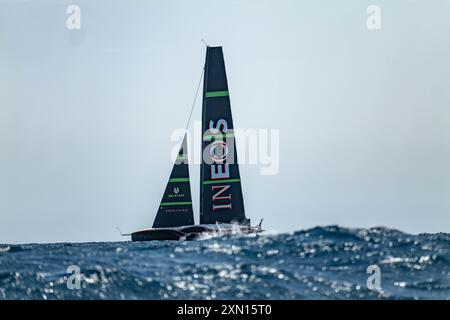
[(175, 209), (220, 185)]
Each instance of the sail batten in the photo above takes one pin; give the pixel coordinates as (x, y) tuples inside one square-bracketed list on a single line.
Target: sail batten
[(221, 181), (174, 180), (179, 203), (215, 94)]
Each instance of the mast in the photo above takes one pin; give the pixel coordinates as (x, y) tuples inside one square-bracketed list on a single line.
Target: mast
[(220, 184), (175, 209)]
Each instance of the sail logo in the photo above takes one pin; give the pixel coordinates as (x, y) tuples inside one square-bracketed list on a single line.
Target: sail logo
[(220, 170), (219, 151), (176, 193)]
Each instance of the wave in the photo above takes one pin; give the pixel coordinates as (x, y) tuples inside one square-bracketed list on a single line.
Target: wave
[(320, 263)]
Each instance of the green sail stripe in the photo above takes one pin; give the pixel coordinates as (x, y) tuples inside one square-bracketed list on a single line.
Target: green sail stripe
[(221, 181), (181, 203), (182, 157), (179, 180), (214, 94), (218, 136)]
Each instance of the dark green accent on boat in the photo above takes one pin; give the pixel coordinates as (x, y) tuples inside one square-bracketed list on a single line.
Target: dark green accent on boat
[(208, 137), (181, 203), (179, 180), (221, 181), (182, 157), (214, 94)]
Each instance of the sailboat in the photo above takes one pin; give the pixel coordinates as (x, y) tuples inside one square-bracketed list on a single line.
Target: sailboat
[(221, 201)]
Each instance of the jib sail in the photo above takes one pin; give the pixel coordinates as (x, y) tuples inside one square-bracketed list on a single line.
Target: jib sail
[(175, 209)]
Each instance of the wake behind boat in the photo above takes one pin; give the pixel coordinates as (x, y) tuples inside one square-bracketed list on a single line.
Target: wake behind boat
[(221, 201)]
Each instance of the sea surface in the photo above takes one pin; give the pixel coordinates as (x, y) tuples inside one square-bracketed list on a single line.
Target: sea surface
[(320, 263)]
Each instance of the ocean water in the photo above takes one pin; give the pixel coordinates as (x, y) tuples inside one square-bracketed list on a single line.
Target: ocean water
[(320, 263)]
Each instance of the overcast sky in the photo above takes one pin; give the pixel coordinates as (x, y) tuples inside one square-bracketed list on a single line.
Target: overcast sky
[(86, 116)]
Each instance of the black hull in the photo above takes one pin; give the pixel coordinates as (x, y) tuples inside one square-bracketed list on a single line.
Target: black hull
[(150, 235), (184, 233)]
